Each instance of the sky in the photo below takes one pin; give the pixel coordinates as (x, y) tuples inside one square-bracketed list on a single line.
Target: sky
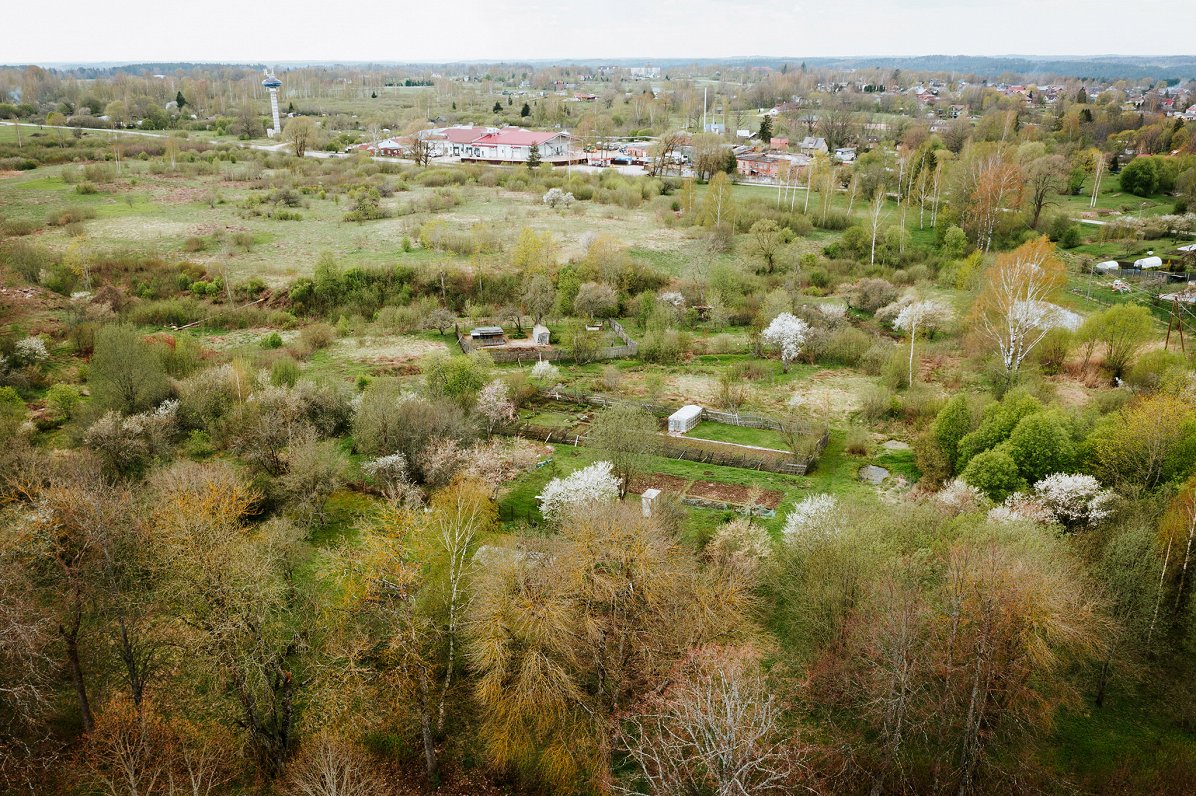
[(70, 31)]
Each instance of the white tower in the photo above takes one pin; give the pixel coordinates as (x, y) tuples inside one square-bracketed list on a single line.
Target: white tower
[(272, 85)]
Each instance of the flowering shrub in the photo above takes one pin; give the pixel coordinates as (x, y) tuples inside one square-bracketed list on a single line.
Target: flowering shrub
[(1074, 500), (817, 514), (674, 298), (1070, 500), (555, 196), (592, 484), (393, 477), (546, 372), (30, 351), (1021, 507), (495, 404), (959, 497), (789, 333)]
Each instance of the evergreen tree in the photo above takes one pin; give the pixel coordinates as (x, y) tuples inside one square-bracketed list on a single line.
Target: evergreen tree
[(525, 111), (533, 156), (497, 107), (180, 100), (766, 129)]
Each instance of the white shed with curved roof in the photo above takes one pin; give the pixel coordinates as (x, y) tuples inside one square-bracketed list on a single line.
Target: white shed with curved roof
[(685, 419)]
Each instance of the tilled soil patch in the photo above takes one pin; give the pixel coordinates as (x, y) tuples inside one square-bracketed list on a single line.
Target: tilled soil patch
[(735, 493), (714, 491)]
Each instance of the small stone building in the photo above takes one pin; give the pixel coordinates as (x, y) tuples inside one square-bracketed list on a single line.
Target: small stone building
[(540, 334)]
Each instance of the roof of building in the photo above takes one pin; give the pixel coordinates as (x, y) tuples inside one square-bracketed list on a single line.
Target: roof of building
[(462, 135), (516, 137), (486, 331), (393, 143), (687, 412), (758, 157)]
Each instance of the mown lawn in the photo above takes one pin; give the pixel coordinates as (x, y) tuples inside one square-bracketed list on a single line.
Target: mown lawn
[(740, 435), (835, 473)]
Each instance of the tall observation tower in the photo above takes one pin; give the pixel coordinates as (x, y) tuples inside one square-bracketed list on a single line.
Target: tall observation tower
[(272, 84)]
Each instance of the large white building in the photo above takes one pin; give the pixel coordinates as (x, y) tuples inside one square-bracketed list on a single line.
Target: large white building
[(499, 144), (513, 145)]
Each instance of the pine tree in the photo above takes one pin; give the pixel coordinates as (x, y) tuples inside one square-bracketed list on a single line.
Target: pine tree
[(525, 111), (766, 129), (533, 156), (180, 100), (497, 107)]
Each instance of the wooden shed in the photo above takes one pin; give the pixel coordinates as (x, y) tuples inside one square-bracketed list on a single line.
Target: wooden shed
[(487, 335)]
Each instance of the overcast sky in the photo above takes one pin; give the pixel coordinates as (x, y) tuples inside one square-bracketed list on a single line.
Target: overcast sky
[(43, 31)]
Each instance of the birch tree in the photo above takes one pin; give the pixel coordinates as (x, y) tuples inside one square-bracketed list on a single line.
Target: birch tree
[(1014, 309), (460, 515), (876, 214), (915, 315)]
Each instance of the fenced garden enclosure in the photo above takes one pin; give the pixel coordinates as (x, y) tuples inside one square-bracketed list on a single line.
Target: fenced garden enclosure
[(694, 449), (520, 355)]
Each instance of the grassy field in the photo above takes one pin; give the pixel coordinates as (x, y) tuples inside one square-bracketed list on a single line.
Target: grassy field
[(740, 435)]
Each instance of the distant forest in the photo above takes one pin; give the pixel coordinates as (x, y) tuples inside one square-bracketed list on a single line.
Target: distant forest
[(1171, 68)]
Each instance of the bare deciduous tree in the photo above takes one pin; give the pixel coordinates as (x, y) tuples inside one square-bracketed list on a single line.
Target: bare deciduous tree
[(716, 729)]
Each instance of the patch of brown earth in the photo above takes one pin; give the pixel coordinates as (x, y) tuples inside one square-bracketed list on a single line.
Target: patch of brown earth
[(735, 493)]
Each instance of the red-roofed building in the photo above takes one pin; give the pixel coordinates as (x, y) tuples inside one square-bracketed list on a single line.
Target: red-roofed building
[(453, 141), (512, 145)]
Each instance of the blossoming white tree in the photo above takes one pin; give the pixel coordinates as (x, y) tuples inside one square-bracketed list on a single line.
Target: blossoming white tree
[(788, 333), (593, 484), (495, 405), (1074, 500), (960, 497), (919, 314), (545, 372), (817, 514), (30, 351), (1014, 310), (394, 478), (673, 298), (1021, 507)]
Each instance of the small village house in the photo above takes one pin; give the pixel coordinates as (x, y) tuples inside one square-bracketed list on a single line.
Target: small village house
[(812, 145)]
